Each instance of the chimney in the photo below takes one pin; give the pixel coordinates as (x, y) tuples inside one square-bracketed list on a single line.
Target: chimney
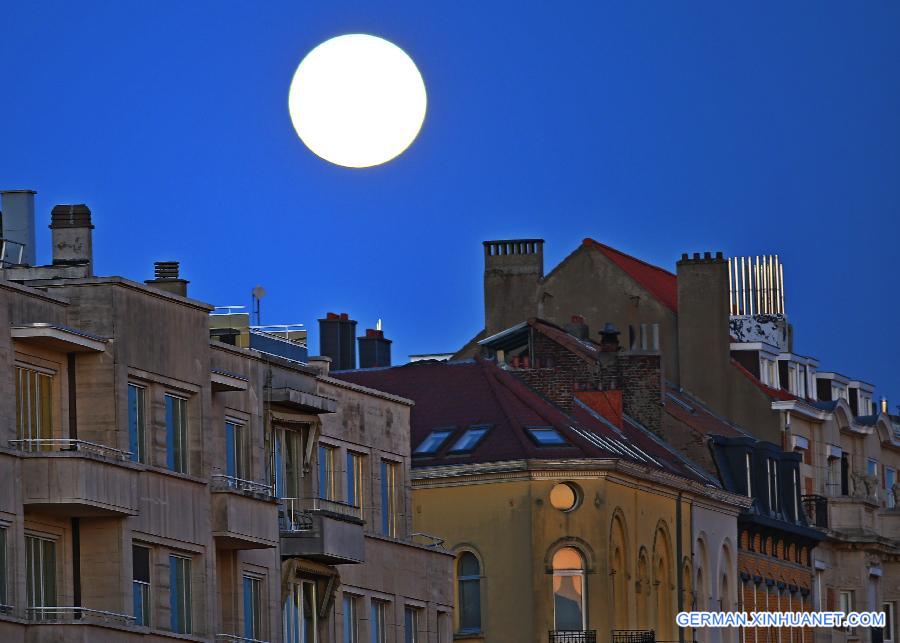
[(577, 327), (17, 208), (609, 338), (512, 270), (704, 337), (321, 363), (337, 340), (70, 229), (167, 278), (374, 349)]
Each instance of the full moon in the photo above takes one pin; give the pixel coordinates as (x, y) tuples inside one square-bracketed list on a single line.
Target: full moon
[(357, 100)]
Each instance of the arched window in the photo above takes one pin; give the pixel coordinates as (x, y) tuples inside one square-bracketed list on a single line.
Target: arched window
[(568, 590), (468, 578), (619, 574)]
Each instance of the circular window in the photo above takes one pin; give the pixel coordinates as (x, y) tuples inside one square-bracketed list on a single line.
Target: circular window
[(565, 496)]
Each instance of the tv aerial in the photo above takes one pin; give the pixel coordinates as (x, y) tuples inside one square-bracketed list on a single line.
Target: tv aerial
[(258, 293)]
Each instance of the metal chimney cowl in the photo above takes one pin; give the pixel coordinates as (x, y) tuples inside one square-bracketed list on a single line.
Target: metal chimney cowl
[(17, 207)]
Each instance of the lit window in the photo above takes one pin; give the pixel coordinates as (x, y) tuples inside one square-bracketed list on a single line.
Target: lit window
[(34, 409), (180, 594), (568, 590), (468, 578), (469, 440), (354, 479), (389, 501), (137, 438), (176, 434), (546, 436), (140, 583), (433, 442)]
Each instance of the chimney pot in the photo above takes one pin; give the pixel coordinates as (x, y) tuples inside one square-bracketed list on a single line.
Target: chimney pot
[(71, 234), (609, 338), (167, 278), (707, 255), (696, 256), (374, 349), (719, 255), (166, 269)]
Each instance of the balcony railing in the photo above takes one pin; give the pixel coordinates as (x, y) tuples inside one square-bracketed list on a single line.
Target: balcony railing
[(297, 514), (80, 614), (220, 481), (816, 508), (6, 609), (573, 636), (39, 445), (633, 636), (234, 638)]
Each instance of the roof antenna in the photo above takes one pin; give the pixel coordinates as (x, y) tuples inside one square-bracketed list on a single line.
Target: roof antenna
[(378, 324), (258, 293)]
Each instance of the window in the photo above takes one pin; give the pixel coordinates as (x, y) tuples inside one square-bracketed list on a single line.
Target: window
[(872, 467), (253, 621), (845, 603), (180, 594), (411, 624), (468, 600), (890, 477), (354, 479), (379, 621), (889, 609), (749, 475), (568, 590), (34, 408), (389, 481), (4, 582), (40, 576), (796, 494), (300, 618), (351, 618), (546, 436), (469, 440), (237, 463), (176, 434), (327, 477), (845, 475), (137, 431), (772, 476), (140, 584), (288, 463), (433, 442)]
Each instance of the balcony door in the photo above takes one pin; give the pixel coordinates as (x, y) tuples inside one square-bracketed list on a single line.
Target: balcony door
[(40, 577), (299, 613)]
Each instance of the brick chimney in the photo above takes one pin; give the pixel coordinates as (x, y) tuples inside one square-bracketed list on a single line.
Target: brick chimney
[(168, 279), (71, 232), (337, 340), (374, 349)]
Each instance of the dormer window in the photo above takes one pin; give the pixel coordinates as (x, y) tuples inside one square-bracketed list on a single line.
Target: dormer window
[(772, 479), (546, 436), (433, 442), (469, 440)]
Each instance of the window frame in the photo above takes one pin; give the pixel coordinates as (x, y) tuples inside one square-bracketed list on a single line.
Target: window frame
[(350, 620), (50, 590), (389, 497), (328, 486), (570, 573), (355, 478), (465, 581), (4, 569), (137, 423), (533, 430), (285, 483), (295, 606), (237, 449), (411, 619), (43, 415), (254, 629), (145, 589), (177, 434), (459, 449), (180, 601), (378, 612), (438, 442)]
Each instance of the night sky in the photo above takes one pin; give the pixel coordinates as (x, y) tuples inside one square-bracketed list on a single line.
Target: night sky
[(657, 128)]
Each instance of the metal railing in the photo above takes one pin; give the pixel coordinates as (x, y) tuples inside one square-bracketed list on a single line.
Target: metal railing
[(6, 609), (298, 512), (816, 509), (573, 636), (633, 636), (81, 614), (38, 445), (220, 481), (234, 638)]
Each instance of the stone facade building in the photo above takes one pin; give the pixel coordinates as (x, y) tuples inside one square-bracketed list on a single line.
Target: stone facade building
[(162, 485)]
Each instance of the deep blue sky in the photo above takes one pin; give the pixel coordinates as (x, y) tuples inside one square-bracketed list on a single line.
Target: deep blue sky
[(654, 127)]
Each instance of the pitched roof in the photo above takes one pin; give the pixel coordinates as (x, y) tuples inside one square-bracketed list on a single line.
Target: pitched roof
[(460, 395), (660, 283), (691, 412)]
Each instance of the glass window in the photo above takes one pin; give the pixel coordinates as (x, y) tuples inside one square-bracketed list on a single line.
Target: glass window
[(176, 434), (252, 608), (568, 589), (288, 463), (137, 432), (351, 618), (379, 621), (433, 442), (40, 576), (468, 578), (872, 467), (299, 613), (389, 475), (845, 603), (4, 581), (140, 584), (546, 436), (749, 476), (354, 479), (327, 477), (469, 440), (236, 451), (890, 477), (180, 594), (34, 408), (887, 634), (411, 624)]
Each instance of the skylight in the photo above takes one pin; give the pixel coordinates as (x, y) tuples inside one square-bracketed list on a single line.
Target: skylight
[(470, 439), (546, 436), (433, 442)]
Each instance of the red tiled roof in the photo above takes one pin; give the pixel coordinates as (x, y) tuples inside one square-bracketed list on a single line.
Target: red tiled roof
[(660, 283), (459, 395)]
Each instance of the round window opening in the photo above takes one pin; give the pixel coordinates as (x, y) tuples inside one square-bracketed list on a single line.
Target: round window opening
[(565, 496)]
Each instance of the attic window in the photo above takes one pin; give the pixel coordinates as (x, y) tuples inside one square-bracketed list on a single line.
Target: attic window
[(470, 439), (433, 442), (546, 436)]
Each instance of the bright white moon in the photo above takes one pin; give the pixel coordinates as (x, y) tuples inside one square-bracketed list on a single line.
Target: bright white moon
[(357, 100)]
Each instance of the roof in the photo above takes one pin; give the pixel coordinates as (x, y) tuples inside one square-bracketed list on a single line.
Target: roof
[(517, 336), (689, 411), (774, 393), (660, 283), (463, 394)]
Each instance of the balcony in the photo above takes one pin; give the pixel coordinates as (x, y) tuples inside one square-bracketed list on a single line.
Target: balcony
[(77, 615), (633, 636), (244, 514), (816, 509), (326, 531), (77, 478), (573, 636)]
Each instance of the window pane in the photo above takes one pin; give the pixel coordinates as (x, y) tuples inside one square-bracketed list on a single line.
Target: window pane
[(136, 426), (411, 625), (469, 439), (40, 574), (230, 465), (434, 441), (180, 594), (176, 433), (388, 498), (568, 601), (252, 608), (546, 436), (291, 614), (351, 629), (3, 574), (352, 480), (470, 605), (327, 483), (379, 630), (309, 613), (468, 565)]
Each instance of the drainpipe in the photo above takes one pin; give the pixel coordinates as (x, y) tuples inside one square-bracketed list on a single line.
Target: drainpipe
[(680, 568)]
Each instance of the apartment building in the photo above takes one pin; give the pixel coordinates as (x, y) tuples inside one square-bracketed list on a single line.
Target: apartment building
[(163, 484)]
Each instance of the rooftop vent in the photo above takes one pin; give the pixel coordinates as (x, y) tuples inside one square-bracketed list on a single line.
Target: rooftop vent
[(167, 278)]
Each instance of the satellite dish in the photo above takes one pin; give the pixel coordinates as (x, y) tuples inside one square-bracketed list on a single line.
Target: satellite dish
[(259, 292)]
